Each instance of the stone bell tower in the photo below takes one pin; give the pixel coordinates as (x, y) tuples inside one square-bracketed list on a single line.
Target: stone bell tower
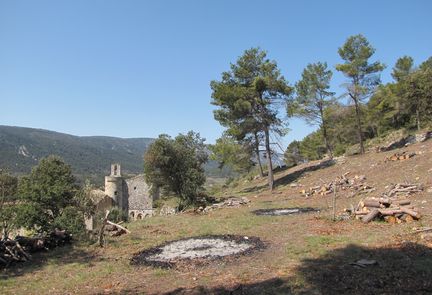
[(114, 185)]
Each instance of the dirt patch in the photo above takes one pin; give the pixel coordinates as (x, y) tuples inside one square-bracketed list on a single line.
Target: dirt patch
[(198, 250), (283, 211)]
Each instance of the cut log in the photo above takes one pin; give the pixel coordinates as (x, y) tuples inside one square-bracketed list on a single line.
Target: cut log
[(390, 219), (372, 203), (409, 218), (413, 213), (402, 202), (32, 244), (389, 212), (369, 217), (118, 226), (23, 253), (385, 201)]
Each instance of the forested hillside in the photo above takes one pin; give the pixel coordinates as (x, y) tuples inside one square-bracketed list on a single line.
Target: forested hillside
[(90, 156)]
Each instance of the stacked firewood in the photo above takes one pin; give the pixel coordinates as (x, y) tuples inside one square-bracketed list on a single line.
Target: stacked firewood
[(402, 189), (400, 156), (232, 202), (18, 250), (355, 185), (11, 251), (392, 210)]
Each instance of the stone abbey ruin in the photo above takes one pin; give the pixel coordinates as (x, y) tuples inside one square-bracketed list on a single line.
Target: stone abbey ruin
[(132, 195)]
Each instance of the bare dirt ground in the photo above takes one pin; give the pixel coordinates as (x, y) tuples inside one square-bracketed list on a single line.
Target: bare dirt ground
[(303, 254)]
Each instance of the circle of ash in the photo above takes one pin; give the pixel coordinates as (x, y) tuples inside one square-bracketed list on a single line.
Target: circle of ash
[(197, 248)]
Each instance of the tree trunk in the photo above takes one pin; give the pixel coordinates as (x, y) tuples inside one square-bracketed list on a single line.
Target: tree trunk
[(370, 216), (258, 155), (324, 129), (269, 158), (102, 229), (326, 141), (359, 127), (418, 118)]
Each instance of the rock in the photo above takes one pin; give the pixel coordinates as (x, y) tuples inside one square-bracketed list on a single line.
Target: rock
[(353, 150), (401, 142), (166, 210), (423, 136)]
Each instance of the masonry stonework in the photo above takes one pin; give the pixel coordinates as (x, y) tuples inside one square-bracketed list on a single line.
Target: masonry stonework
[(132, 195)]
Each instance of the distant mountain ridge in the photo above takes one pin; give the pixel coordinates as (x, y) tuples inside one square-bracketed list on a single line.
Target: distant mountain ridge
[(90, 156)]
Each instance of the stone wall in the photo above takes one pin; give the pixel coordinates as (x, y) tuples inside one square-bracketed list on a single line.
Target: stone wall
[(138, 192)]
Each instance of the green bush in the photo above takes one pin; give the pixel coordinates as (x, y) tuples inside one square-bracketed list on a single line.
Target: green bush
[(116, 215), (71, 220)]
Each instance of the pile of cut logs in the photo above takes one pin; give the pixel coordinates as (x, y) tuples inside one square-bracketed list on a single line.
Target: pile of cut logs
[(355, 185), (114, 229), (18, 250), (400, 156), (402, 189), (232, 202), (392, 210)]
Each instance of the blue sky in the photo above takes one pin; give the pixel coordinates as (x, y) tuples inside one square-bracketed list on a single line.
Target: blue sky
[(141, 68)]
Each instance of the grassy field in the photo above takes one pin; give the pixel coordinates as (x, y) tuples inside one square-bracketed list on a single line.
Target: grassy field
[(305, 254)]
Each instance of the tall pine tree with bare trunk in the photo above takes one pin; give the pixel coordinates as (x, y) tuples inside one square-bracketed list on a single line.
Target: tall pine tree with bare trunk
[(313, 97), (363, 76), (249, 97)]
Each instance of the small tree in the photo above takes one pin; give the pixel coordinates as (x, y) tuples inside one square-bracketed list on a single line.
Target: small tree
[(313, 97), (8, 190), (227, 152), (176, 166), (362, 75), (403, 67), (417, 94), (49, 197), (292, 155)]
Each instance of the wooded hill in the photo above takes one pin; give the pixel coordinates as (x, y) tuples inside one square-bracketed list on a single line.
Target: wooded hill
[(90, 156)]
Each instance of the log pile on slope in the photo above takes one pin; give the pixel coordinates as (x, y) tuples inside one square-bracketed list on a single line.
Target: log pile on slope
[(355, 185), (402, 189), (393, 205), (400, 156), (114, 229), (232, 202), (18, 250), (396, 210)]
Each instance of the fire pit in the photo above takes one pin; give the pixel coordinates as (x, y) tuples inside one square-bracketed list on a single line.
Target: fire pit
[(283, 211), (199, 250)]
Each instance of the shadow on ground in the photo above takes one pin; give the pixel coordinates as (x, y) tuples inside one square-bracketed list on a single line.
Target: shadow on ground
[(293, 176), (400, 269), (58, 256)]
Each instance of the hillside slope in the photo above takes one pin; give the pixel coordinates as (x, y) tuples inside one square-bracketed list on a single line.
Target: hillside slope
[(90, 156), (304, 254)]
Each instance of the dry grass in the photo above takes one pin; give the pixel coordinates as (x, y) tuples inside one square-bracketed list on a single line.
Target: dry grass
[(306, 253)]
